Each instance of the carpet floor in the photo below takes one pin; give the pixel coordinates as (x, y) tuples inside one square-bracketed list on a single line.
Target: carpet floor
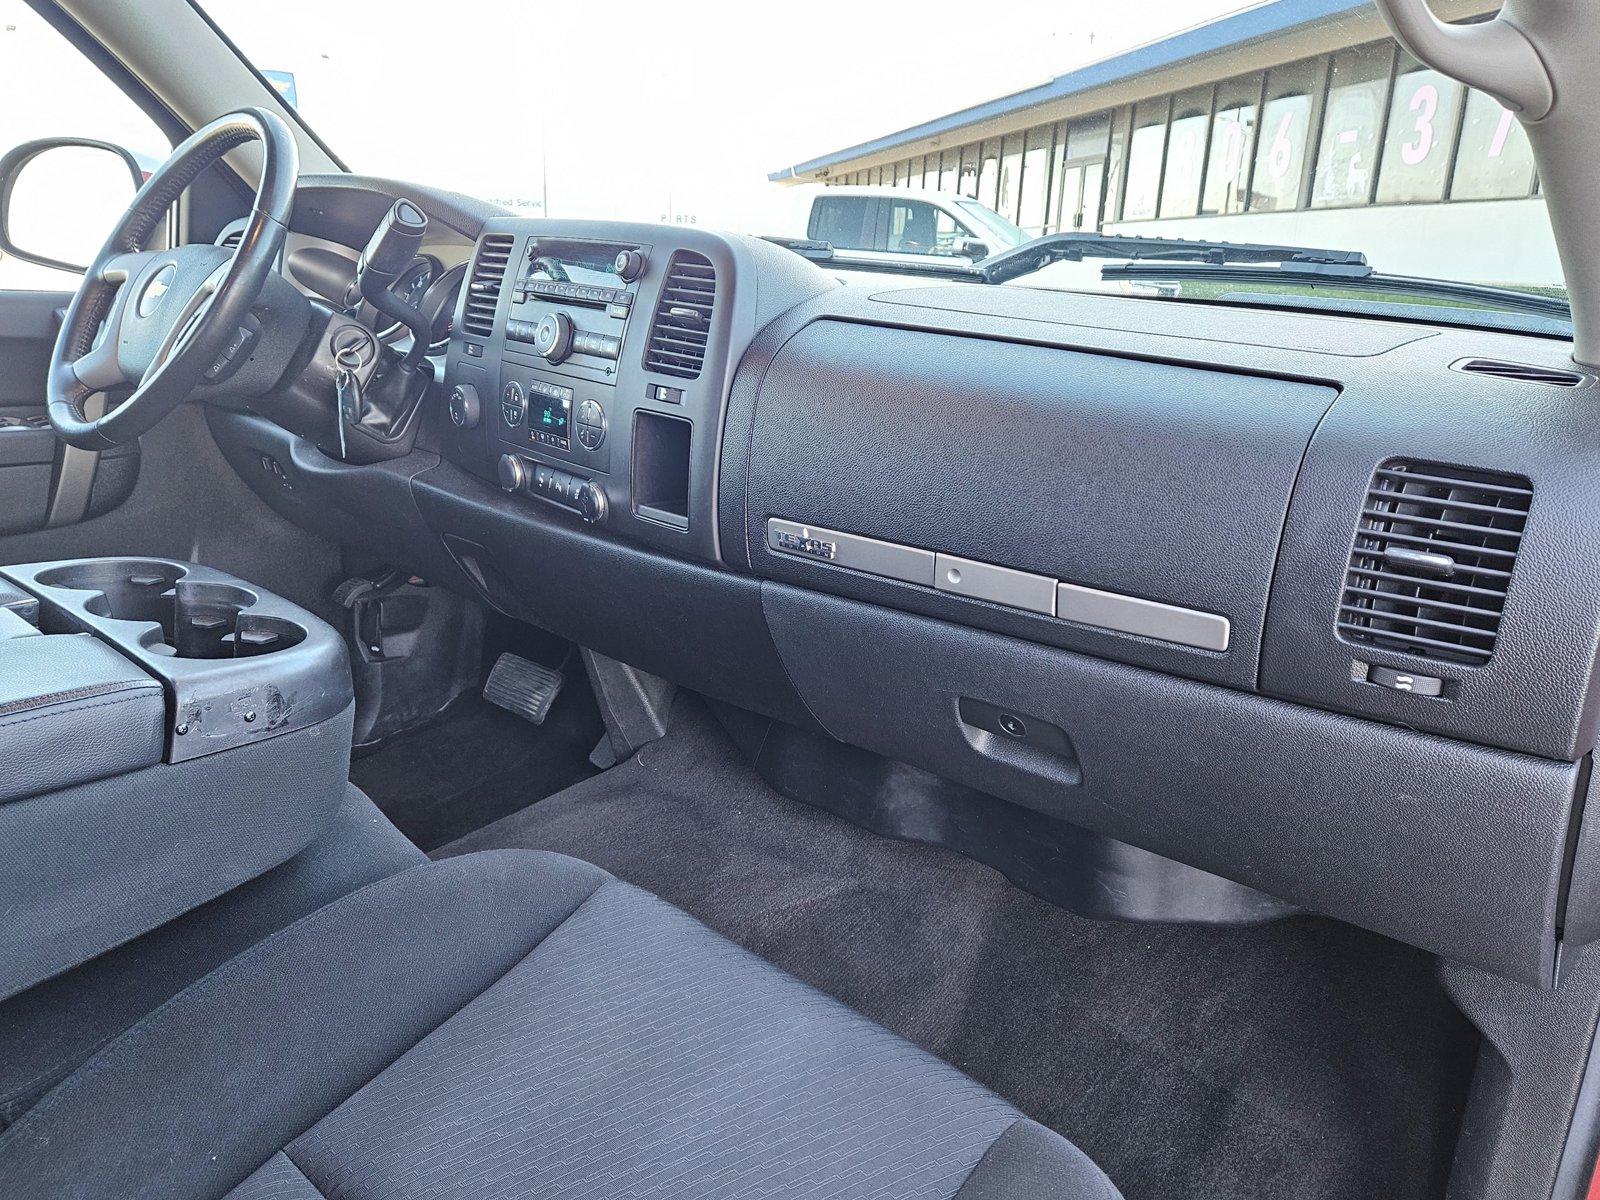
[(1299, 1060)]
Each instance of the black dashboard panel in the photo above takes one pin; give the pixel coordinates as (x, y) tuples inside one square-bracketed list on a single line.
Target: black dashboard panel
[(1149, 509), (1141, 479)]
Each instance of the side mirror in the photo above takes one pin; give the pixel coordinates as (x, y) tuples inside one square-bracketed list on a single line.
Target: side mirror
[(972, 248), (60, 198)]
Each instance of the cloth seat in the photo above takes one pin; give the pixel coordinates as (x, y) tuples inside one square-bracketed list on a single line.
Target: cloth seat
[(520, 1024)]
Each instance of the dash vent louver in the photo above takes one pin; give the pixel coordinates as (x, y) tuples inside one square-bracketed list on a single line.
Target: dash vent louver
[(483, 288), (682, 324), (1432, 560), (1521, 372)]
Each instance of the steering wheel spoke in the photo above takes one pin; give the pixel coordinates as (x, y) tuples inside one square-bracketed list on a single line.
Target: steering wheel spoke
[(99, 370)]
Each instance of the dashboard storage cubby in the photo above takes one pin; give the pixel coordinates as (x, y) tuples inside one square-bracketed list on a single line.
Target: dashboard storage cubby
[(169, 733)]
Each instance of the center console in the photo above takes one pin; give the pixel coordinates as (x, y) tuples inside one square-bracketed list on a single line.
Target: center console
[(168, 733), (590, 363)]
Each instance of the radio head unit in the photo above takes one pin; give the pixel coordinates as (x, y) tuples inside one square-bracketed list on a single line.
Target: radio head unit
[(571, 300)]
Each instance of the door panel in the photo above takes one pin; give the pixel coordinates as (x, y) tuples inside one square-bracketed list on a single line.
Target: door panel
[(42, 482)]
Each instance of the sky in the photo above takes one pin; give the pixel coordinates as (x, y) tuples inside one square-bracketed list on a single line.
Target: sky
[(622, 110), (655, 111)]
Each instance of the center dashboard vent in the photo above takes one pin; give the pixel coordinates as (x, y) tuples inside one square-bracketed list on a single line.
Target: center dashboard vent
[(483, 288), (682, 324), (1432, 560)]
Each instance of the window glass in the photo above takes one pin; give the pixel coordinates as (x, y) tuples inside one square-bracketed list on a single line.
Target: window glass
[(846, 221), (1422, 123), (1186, 149), (1010, 175), (1116, 163), (1285, 130), (913, 227), (1347, 154), (49, 89), (1144, 161), (1495, 159), (1233, 135), (989, 173), (930, 172), (968, 183), (1035, 180)]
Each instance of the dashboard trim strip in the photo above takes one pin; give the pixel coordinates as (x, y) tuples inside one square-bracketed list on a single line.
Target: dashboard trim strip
[(1114, 612)]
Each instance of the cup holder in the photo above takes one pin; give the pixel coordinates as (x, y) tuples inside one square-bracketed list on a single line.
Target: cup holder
[(197, 618), (213, 620), (128, 589)]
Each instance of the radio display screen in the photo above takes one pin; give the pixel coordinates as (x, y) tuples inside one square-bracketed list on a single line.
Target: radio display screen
[(555, 261)]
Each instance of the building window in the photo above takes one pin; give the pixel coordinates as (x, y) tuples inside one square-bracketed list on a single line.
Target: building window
[(1233, 140), (1186, 153), (1010, 176), (968, 183), (1116, 163), (1035, 180), (1280, 169), (1144, 160), (949, 170), (1416, 147), (1495, 160), (1347, 154), (989, 173)]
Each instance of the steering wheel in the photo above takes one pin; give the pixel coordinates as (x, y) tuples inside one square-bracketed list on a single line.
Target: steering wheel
[(168, 314)]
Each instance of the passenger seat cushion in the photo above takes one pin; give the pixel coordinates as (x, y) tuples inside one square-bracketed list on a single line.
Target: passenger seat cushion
[(211, 1085), (636, 1053), (516, 1024)]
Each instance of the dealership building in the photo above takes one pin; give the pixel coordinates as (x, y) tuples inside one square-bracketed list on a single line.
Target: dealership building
[(1295, 121)]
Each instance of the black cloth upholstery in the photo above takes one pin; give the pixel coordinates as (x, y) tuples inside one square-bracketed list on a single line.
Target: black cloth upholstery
[(515, 1024), (49, 1030)]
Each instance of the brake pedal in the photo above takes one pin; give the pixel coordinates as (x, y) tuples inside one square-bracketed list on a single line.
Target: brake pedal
[(523, 687)]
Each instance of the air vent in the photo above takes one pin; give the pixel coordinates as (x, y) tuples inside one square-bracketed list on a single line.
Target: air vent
[(483, 288), (1520, 372), (682, 326), (232, 236), (1432, 560)]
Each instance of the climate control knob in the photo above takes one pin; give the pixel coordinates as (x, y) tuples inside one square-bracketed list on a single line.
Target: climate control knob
[(552, 338), (513, 473), (592, 503)]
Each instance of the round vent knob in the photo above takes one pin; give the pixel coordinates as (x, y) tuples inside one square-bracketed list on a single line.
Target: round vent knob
[(592, 503)]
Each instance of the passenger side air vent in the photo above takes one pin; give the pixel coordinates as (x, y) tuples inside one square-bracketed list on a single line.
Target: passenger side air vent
[(232, 235), (682, 324), (1432, 560), (1520, 372), (483, 288)]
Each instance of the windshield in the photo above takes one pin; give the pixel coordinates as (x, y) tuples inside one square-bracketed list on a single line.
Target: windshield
[(1003, 231), (683, 114)]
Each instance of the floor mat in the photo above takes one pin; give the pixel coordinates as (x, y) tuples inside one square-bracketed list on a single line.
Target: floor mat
[(1301, 1059), (477, 763)]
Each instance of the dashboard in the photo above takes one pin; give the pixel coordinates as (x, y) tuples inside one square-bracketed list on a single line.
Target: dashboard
[(1307, 602)]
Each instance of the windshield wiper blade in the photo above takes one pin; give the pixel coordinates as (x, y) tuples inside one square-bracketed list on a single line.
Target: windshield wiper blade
[(1075, 247), (826, 254), (1509, 299)]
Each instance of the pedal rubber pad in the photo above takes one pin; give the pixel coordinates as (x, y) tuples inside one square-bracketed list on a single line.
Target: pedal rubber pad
[(523, 687)]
